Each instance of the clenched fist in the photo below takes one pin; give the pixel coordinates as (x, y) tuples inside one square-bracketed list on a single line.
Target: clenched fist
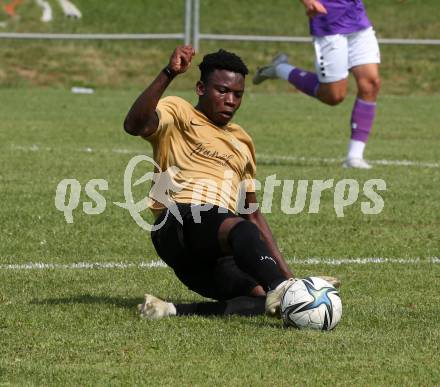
[(181, 58)]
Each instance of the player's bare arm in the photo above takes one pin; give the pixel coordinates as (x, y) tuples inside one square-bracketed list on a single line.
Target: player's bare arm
[(313, 8), (259, 220), (142, 119)]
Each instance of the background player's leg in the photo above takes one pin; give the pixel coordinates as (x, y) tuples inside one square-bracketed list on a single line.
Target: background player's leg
[(332, 93), (364, 108), (368, 81), (364, 59), (329, 81)]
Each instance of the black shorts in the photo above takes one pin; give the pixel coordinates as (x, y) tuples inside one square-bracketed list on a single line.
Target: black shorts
[(193, 251)]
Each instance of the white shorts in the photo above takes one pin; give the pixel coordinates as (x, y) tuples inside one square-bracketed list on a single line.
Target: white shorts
[(336, 54)]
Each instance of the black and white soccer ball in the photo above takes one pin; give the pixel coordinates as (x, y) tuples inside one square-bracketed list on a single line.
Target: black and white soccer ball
[(311, 303)]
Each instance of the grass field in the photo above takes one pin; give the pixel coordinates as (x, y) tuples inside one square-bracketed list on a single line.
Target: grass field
[(405, 69), (62, 325), (68, 292)]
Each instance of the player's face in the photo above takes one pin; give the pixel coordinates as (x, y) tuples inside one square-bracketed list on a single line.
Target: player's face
[(220, 97)]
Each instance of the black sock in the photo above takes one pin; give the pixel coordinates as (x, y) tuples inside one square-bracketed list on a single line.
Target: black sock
[(252, 255), (241, 306)]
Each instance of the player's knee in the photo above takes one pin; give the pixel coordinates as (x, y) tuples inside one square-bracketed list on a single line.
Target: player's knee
[(243, 234), (375, 85), (335, 99), (333, 93), (369, 88)]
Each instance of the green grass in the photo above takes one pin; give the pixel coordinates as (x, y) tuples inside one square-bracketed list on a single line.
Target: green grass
[(80, 327), (392, 18), (405, 69)]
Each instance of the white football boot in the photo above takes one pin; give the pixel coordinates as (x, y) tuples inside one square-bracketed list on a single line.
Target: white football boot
[(269, 71), (273, 298), (154, 309), (356, 163)]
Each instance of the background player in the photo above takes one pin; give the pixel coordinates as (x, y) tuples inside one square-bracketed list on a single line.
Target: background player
[(344, 41)]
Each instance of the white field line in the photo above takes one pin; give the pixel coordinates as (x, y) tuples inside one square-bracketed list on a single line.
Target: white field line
[(260, 156), (83, 265), (38, 148), (326, 160), (160, 264)]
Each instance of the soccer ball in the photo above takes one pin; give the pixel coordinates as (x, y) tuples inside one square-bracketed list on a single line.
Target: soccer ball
[(311, 303)]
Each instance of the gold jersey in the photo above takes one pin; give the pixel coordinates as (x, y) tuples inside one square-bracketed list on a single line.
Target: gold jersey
[(209, 164)]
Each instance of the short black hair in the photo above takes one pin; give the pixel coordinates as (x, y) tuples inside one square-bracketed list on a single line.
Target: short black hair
[(221, 60)]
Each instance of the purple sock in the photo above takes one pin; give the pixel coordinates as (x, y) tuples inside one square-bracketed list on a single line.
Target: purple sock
[(362, 118), (304, 81)]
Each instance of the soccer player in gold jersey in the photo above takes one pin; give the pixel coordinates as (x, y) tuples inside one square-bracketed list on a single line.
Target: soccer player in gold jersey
[(216, 246)]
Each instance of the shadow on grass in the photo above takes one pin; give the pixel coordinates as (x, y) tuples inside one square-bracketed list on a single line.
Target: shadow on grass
[(120, 302), (94, 300), (132, 303)]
